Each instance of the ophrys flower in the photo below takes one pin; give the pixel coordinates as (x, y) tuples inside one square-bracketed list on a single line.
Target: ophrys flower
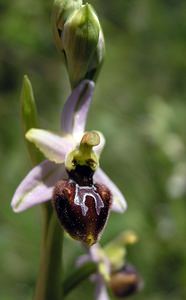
[(73, 164)]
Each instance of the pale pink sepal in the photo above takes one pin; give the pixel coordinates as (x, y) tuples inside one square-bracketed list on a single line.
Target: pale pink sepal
[(74, 115), (37, 186), (119, 203)]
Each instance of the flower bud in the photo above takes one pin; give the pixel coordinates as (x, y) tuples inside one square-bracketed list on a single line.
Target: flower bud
[(62, 9), (125, 282), (82, 206), (79, 36)]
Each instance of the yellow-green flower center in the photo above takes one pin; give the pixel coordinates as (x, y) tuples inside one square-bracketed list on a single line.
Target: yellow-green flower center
[(84, 155)]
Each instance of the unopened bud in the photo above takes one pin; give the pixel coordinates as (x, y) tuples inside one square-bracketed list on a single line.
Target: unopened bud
[(80, 38), (125, 282), (62, 9)]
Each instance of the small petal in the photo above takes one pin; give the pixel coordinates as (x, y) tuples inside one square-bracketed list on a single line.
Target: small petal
[(37, 187), (53, 146), (76, 108), (119, 203)]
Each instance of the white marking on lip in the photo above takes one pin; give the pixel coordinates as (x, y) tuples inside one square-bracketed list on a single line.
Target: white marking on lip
[(80, 197)]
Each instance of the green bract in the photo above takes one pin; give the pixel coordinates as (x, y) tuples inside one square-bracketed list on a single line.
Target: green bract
[(29, 116)]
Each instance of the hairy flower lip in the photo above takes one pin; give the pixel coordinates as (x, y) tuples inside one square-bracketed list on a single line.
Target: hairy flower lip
[(82, 210)]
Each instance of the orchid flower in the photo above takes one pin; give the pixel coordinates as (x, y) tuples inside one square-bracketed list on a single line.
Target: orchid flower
[(60, 150), (113, 272)]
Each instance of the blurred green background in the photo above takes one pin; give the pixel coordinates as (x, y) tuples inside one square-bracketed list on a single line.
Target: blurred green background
[(139, 105)]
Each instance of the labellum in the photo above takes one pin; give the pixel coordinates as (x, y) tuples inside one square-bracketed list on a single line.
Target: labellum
[(82, 206)]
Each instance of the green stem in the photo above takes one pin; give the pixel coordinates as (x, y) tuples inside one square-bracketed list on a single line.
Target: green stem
[(50, 273), (77, 276)]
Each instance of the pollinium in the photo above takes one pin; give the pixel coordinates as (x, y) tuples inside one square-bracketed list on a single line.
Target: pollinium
[(82, 205)]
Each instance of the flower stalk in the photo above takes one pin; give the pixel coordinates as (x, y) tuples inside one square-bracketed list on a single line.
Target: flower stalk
[(50, 272), (78, 276)]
